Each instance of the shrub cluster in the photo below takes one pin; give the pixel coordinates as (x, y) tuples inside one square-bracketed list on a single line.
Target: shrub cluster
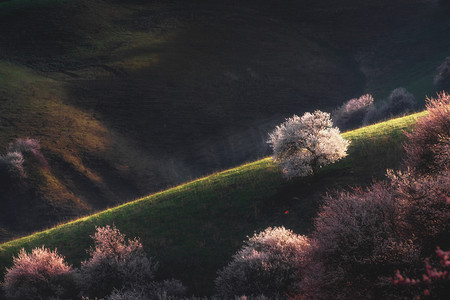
[(399, 102), (362, 236), (361, 111), (302, 145), (117, 269)]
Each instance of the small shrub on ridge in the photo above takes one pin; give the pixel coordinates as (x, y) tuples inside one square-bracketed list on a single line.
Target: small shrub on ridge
[(351, 114), (28, 145), (12, 164)]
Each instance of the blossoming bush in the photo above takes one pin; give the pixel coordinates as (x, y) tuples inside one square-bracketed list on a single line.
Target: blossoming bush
[(433, 282), (268, 264), (115, 262), (428, 144), (351, 114), (359, 237), (12, 163), (425, 205), (302, 145), (363, 236), (40, 274), (28, 145)]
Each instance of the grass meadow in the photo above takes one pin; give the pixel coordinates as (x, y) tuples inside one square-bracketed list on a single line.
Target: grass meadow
[(194, 228)]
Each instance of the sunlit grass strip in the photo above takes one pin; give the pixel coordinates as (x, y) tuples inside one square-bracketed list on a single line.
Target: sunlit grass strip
[(393, 126), (224, 178), (221, 180)]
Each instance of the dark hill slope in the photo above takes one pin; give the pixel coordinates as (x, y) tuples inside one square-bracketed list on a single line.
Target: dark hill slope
[(129, 97), (193, 229)]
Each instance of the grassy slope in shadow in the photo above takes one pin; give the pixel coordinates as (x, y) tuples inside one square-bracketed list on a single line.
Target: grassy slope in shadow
[(129, 97)]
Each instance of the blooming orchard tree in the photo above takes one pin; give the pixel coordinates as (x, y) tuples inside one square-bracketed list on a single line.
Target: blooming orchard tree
[(268, 264), (116, 262), (302, 145), (40, 274)]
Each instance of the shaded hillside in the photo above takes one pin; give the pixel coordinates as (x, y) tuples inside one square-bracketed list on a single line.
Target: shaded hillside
[(193, 229), (129, 97)]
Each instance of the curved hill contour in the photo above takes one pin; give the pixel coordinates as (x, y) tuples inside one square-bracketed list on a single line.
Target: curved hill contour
[(193, 229), (132, 97)]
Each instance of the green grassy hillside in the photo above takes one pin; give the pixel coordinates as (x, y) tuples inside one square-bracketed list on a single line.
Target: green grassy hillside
[(131, 97), (193, 229)]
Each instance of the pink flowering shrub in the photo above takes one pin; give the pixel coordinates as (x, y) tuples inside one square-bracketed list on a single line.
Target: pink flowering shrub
[(434, 282), (351, 114), (28, 145), (40, 274), (302, 145), (428, 145), (12, 164), (267, 264), (359, 237), (425, 205), (115, 262)]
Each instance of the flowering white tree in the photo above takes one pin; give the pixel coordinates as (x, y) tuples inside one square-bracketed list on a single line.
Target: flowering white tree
[(302, 145)]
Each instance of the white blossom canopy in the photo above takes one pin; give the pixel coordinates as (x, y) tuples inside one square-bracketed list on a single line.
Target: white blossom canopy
[(302, 145)]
